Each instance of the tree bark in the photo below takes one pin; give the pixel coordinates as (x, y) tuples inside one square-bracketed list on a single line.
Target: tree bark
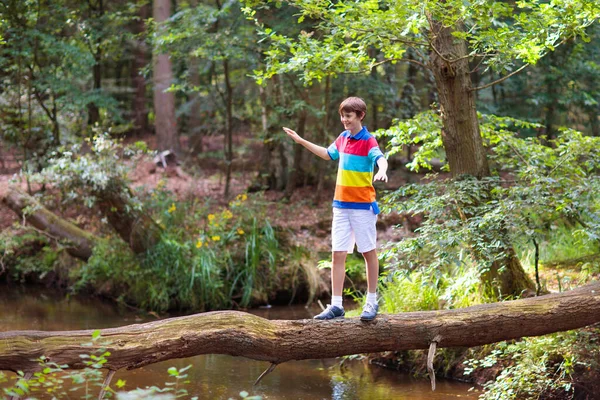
[(462, 140), (595, 125), (164, 102), (240, 334), (460, 134), (296, 170), (96, 12), (228, 145), (139, 61), (265, 177), (134, 226), (41, 218)]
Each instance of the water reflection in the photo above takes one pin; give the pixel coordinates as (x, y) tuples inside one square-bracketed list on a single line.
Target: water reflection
[(220, 376)]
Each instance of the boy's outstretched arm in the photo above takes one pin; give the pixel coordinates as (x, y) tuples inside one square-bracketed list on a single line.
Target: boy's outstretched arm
[(382, 166), (313, 148)]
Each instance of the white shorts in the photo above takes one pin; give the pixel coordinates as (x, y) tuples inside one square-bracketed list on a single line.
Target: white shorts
[(350, 226)]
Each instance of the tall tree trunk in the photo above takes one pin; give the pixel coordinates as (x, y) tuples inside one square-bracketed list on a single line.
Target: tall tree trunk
[(93, 111), (265, 176), (194, 118), (460, 133), (324, 130), (292, 181), (408, 102), (96, 12), (229, 127), (167, 137), (139, 61), (463, 143), (595, 125)]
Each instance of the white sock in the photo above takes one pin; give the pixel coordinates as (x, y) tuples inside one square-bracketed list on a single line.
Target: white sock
[(372, 298), (337, 301)]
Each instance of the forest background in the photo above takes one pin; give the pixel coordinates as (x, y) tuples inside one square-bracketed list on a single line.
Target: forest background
[(488, 112)]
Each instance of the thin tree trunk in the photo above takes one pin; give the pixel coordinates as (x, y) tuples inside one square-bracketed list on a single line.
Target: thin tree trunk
[(164, 102), (324, 130), (194, 118), (229, 127), (292, 181), (240, 334), (139, 61), (96, 12), (265, 178), (595, 125), (93, 111)]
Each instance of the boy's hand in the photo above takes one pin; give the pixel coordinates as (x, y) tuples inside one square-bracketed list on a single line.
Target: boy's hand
[(295, 137), (380, 176)]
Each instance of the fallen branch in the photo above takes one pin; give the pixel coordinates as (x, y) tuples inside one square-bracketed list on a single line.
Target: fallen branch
[(80, 242), (241, 334)]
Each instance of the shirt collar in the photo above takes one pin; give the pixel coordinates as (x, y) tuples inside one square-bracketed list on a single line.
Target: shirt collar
[(360, 133)]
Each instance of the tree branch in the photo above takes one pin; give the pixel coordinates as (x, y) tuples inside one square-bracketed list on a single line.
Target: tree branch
[(501, 79)]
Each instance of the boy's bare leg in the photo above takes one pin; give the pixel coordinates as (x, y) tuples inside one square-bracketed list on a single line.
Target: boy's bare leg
[(372, 263), (338, 272)]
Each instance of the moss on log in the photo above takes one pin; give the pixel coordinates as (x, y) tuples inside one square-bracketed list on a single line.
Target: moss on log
[(27, 207), (241, 334)]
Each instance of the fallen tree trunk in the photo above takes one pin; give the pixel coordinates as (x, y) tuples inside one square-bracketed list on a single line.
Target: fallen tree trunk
[(81, 242), (132, 224), (241, 334)]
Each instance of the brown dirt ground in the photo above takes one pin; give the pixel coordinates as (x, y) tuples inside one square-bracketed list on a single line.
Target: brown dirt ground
[(204, 179)]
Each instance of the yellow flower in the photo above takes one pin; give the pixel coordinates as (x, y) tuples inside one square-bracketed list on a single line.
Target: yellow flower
[(242, 197), (199, 244), (227, 214), (216, 238), (211, 217), (172, 208), (240, 231)]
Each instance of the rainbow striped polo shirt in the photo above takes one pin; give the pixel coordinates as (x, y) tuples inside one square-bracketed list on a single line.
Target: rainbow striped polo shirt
[(358, 155)]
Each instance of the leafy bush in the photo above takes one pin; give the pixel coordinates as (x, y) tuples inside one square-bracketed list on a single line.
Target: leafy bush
[(533, 190), (537, 367)]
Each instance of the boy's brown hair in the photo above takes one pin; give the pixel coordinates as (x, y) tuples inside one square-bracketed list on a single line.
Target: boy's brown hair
[(354, 104)]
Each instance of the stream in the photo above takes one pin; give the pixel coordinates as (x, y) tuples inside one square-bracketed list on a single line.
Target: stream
[(222, 376)]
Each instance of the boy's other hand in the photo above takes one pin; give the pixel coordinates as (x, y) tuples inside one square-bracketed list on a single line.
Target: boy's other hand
[(295, 137), (380, 176)]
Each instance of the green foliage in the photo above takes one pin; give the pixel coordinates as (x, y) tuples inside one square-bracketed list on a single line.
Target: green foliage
[(26, 252), (499, 32), (410, 292), (422, 130), (538, 366), (533, 190), (203, 261), (51, 377), (81, 175), (47, 61), (562, 89), (86, 383)]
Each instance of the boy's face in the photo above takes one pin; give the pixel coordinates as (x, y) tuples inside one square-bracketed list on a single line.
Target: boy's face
[(350, 120)]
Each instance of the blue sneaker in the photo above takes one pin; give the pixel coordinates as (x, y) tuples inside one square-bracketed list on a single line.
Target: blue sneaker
[(331, 312), (369, 312)]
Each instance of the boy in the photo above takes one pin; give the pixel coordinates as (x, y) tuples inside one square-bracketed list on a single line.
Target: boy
[(354, 207)]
